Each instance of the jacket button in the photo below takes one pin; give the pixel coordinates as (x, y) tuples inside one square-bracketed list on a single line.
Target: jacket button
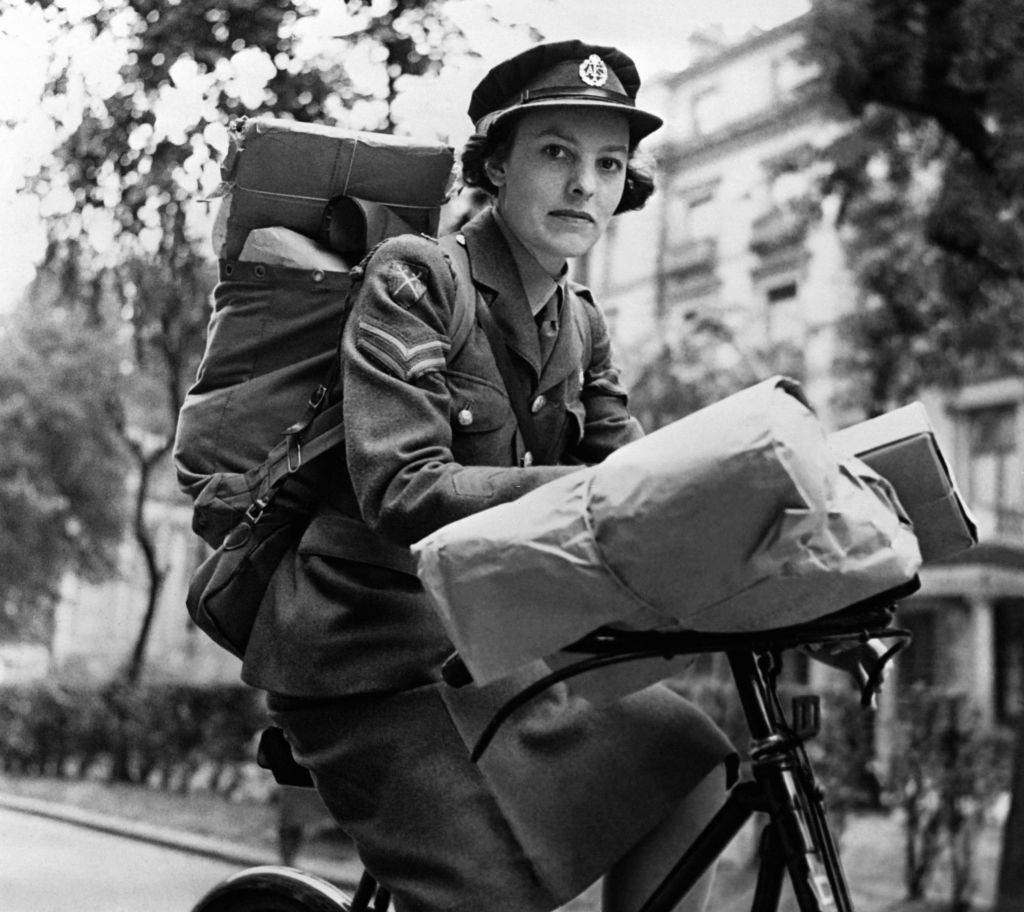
[(318, 275), (527, 459), (465, 417), (538, 404)]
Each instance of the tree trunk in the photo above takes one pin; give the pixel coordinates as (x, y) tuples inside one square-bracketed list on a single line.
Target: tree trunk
[(155, 573)]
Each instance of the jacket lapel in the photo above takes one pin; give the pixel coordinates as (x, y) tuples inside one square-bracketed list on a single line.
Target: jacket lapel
[(494, 273)]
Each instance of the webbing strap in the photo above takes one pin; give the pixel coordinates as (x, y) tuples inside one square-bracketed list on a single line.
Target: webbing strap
[(464, 307), (325, 431), (320, 429), (515, 382)]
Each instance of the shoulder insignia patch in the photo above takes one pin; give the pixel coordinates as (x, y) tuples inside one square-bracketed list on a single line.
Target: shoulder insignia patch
[(404, 284)]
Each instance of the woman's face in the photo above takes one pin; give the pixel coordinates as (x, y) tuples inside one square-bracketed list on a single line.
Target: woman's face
[(562, 180)]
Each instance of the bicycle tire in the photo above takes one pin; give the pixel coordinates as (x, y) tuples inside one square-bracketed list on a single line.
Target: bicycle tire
[(272, 888)]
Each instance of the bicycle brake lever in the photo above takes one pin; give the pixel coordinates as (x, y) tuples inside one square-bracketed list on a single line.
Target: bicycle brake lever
[(873, 685)]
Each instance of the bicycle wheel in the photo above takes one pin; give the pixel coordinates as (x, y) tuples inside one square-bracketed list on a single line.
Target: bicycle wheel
[(274, 889)]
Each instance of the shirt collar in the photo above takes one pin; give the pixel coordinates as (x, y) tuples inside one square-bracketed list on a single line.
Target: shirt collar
[(538, 284)]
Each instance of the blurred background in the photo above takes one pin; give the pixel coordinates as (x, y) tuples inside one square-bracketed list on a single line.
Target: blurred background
[(840, 194)]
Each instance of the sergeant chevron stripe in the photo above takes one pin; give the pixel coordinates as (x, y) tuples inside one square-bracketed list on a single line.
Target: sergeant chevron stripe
[(409, 360)]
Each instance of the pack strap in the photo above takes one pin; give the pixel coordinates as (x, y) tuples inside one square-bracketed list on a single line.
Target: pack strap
[(294, 450), (318, 430), (515, 385), (283, 276), (323, 428), (467, 305)]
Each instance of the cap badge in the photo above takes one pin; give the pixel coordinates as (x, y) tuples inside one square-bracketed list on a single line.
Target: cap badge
[(593, 71)]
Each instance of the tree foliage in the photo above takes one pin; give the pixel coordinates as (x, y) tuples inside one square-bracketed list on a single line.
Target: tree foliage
[(931, 180), (128, 249), (931, 176), (62, 469), (703, 365)]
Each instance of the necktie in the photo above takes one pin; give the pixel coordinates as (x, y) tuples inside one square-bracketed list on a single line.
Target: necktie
[(547, 323)]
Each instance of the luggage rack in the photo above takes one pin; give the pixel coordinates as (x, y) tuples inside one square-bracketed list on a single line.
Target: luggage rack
[(871, 618)]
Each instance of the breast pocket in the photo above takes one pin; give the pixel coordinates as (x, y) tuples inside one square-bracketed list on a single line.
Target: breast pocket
[(483, 424)]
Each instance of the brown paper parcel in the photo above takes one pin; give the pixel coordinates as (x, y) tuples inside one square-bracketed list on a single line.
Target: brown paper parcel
[(902, 447), (737, 517)]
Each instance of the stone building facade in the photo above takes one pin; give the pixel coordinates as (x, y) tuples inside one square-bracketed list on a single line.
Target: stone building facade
[(729, 239)]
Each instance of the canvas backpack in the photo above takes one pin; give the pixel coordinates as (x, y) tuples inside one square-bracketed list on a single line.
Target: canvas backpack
[(254, 513), (260, 414)]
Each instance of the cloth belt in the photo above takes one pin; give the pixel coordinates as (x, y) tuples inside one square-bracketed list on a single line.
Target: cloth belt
[(331, 534)]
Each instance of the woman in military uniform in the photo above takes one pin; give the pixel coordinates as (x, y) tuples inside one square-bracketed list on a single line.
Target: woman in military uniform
[(347, 643)]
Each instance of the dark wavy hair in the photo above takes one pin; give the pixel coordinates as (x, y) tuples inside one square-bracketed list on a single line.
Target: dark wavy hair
[(498, 143)]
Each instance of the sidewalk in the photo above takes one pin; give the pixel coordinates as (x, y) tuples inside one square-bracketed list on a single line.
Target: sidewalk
[(343, 873), (871, 849)]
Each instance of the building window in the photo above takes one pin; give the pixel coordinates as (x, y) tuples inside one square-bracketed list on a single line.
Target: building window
[(784, 292), (1009, 644), (692, 213), (787, 75), (994, 466), (700, 220), (917, 664), (707, 111), (784, 318), (992, 430), (689, 255)]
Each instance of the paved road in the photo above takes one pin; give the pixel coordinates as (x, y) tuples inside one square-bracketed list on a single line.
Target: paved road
[(50, 866)]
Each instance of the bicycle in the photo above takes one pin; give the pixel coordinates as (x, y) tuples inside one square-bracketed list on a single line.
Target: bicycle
[(781, 783)]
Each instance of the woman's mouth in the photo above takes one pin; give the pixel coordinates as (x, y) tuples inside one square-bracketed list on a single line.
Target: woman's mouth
[(573, 215)]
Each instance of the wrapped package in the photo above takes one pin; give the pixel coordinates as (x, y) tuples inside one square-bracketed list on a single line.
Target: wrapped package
[(284, 247), (737, 517), (901, 446), (283, 173)]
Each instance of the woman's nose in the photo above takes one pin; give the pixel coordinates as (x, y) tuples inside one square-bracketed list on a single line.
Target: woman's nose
[(583, 181)]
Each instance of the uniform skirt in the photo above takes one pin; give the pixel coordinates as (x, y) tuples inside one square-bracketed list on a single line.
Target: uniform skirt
[(563, 792)]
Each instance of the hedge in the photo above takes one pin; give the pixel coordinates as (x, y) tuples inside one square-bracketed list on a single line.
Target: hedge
[(172, 736)]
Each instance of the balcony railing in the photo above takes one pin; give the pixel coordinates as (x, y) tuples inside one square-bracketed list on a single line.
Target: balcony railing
[(691, 258), (780, 228)]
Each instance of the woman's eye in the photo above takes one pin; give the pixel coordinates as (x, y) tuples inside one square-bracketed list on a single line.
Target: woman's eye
[(613, 165), (555, 151)]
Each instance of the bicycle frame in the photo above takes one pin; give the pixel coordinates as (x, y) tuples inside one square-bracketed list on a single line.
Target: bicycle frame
[(782, 785)]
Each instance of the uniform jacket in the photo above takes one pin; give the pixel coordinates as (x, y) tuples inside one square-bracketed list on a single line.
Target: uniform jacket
[(430, 437)]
